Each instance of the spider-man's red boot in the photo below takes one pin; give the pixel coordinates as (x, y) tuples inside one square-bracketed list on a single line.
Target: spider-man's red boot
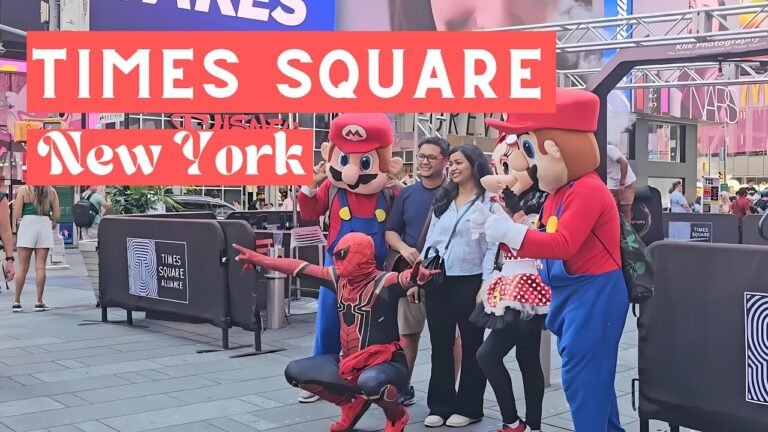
[(353, 407), (398, 425), (351, 413), (397, 415)]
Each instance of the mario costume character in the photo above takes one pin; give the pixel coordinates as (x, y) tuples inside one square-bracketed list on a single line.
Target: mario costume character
[(372, 366), (358, 165), (514, 302), (577, 242)]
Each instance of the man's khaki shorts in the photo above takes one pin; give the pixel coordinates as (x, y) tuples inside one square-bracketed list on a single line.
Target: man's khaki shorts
[(411, 317), (627, 197)]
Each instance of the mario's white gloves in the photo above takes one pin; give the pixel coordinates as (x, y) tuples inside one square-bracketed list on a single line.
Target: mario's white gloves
[(498, 228)]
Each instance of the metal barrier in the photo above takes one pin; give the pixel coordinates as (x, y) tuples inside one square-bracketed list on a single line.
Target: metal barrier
[(751, 231), (181, 270), (701, 227), (702, 354)]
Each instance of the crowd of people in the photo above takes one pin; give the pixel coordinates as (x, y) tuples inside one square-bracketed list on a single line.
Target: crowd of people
[(515, 245)]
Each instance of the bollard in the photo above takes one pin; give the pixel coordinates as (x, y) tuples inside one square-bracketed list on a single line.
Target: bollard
[(275, 294), (545, 354)]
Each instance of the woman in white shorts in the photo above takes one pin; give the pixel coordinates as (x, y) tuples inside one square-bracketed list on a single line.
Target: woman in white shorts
[(38, 209)]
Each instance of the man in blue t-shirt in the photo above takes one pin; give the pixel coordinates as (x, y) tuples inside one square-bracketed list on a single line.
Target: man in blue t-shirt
[(405, 224)]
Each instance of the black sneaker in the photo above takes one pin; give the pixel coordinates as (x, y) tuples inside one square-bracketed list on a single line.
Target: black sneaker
[(408, 397), (17, 307), (41, 307)]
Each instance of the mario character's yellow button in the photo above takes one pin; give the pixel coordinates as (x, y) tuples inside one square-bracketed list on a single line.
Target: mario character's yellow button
[(381, 215), (345, 214), (552, 224)]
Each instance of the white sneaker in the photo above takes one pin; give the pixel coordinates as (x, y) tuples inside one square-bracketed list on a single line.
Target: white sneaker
[(307, 397), (460, 421), (434, 421)]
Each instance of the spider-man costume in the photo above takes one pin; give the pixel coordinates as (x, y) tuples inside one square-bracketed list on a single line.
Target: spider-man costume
[(372, 365)]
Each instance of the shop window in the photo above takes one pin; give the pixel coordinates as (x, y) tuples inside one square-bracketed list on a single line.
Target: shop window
[(666, 142)]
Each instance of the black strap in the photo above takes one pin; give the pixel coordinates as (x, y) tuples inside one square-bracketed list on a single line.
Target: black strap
[(424, 230), (606, 250), (456, 225)]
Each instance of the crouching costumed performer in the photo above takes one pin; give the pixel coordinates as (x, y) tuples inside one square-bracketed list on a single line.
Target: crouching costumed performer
[(372, 366), (514, 302), (577, 243), (351, 185)]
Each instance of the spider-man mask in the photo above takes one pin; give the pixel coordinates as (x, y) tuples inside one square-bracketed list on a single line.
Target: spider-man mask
[(354, 256)]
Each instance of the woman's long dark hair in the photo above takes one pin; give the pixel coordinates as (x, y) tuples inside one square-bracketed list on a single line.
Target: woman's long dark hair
[(481, 167)]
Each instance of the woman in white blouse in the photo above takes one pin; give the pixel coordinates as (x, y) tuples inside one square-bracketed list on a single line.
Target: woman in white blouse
[(468, 262)]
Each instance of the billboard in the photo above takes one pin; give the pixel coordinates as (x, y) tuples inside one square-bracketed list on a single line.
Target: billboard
[(213, 15), (739, 112)]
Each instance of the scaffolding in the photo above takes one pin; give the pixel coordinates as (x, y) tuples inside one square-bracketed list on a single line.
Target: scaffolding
[(692, 26)]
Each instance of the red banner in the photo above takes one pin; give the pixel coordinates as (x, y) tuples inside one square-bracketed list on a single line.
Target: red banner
[(170, 157), (305, 72)]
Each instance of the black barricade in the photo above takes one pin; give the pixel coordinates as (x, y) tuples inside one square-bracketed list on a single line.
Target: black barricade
[(646, 214), (258, 219), (750, 231), (180, 215), (247, 291), (698, 335), (701, 227), (165, 266)]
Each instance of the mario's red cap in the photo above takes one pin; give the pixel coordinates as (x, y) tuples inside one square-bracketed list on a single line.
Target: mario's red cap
[(576, 110), (361, 133)]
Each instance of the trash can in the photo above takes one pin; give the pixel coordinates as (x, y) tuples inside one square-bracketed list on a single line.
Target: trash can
[(275, 294)]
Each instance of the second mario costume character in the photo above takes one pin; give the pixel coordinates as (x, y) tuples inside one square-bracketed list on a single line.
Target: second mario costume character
[(577, 242), (358, 167)]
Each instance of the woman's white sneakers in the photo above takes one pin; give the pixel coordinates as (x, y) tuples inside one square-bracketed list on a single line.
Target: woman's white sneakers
[(454, 421), (460, 421), (434, 421)]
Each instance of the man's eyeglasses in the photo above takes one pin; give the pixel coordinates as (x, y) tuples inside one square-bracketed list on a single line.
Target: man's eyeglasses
[(430, 158)]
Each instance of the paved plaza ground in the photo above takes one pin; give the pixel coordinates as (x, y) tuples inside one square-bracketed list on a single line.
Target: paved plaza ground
[(58, 375)]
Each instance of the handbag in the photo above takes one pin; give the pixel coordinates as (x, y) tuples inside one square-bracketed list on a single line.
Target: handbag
[(436, 261), (396, 262)]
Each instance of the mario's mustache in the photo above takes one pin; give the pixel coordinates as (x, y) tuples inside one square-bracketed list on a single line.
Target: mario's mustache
[(533, 173), (362, 179)]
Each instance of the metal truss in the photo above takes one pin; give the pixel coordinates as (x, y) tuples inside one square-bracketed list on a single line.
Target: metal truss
[(594, 36), (663, 28), (426, 125), (678, 75)]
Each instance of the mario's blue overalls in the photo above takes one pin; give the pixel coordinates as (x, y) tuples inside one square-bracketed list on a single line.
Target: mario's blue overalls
[(587, 315), (327, 339)]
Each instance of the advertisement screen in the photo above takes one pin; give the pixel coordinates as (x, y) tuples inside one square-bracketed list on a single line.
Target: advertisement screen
[(213, 15)]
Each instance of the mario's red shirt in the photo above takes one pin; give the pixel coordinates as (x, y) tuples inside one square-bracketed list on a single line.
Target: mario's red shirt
[(312, 207), (589, 212)]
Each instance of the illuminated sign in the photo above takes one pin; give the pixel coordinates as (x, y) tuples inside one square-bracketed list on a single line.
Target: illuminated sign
[(213, 15), (754, 90)]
